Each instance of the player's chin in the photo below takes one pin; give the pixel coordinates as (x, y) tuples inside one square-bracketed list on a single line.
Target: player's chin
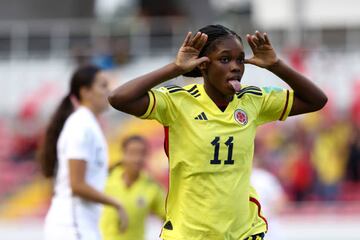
[(105, 107), (228, 91)]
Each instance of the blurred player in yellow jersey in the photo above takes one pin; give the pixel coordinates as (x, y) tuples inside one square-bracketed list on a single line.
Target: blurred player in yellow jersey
[(138, 194), (210, 129)]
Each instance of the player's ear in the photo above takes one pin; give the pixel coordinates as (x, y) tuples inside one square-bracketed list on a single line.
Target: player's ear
[(84, 93), (203, 66)]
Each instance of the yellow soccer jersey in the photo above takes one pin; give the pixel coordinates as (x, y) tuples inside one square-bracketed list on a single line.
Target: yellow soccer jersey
[(142, 198), (256, 219), (210, 159)]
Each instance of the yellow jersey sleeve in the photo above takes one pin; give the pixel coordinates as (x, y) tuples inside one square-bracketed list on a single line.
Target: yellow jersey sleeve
[(275, 105), (161, 106), (157, 206)]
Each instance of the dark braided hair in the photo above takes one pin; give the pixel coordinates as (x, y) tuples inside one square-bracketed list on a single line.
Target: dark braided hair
[(215, 33)]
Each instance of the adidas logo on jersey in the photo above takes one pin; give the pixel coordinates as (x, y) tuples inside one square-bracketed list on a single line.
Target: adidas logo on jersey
[(201, 116)]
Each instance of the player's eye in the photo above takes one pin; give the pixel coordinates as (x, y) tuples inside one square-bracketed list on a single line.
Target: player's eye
[(104, 85), (224, 59), (240, 60)]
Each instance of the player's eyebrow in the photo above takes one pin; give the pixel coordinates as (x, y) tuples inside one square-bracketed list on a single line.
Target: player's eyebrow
[(225, 51), (229, 51)]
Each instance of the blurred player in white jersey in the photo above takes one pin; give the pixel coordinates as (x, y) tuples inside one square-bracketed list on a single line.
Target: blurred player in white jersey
[(74, 153), (272, 198)]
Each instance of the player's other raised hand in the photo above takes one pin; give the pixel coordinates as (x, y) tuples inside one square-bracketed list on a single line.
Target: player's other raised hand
[(188, 56), (264, 54)]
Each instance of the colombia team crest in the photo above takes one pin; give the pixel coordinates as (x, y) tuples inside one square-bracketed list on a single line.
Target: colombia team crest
[(140, 202), (241, 117)]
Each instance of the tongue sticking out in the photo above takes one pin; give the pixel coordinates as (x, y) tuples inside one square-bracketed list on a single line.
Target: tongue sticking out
[(236, 85)]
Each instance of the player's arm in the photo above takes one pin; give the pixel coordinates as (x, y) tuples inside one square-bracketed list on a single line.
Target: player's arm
[(307, 96), (157, 206), (79, 187), (132, 96)]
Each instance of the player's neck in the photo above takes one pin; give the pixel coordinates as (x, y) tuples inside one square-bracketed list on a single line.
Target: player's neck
[(91, 108), (129, 178), (217, 97)]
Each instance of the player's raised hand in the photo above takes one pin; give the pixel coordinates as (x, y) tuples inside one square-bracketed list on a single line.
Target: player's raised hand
[(263, 53), (187, 58)]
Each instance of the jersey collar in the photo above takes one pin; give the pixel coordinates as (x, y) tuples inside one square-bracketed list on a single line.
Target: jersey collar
[(209, 102)]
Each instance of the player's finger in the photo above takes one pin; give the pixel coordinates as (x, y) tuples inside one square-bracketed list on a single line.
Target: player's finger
[(197, 41), (250, 42), (260, 37), (204, 41), (201, 42), (255, 40), (248, 61), (187, 39), (123, 225), (267, 40), (201, 60), (194, 39)]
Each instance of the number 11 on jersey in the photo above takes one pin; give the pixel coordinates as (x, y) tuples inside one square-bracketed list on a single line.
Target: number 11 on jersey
[(229, 145)]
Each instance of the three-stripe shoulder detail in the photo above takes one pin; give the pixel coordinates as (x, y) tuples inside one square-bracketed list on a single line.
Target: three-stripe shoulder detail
[(194, 91), (249, 90)]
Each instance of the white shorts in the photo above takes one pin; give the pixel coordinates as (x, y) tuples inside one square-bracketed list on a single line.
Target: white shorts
[(70, 233), (72, 219)]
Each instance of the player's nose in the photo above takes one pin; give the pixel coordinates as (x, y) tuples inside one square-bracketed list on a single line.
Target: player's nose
[(235, 66)]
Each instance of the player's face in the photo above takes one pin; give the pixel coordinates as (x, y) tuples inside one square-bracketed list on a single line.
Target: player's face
[(226, 64), (99, 92), (134, 156)]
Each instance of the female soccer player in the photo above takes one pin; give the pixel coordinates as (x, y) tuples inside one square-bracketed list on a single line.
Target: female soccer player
[(139, 195), (210, 129), (74, 152)]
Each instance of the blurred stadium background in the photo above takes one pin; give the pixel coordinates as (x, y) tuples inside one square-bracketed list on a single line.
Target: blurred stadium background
[(316, 158)]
